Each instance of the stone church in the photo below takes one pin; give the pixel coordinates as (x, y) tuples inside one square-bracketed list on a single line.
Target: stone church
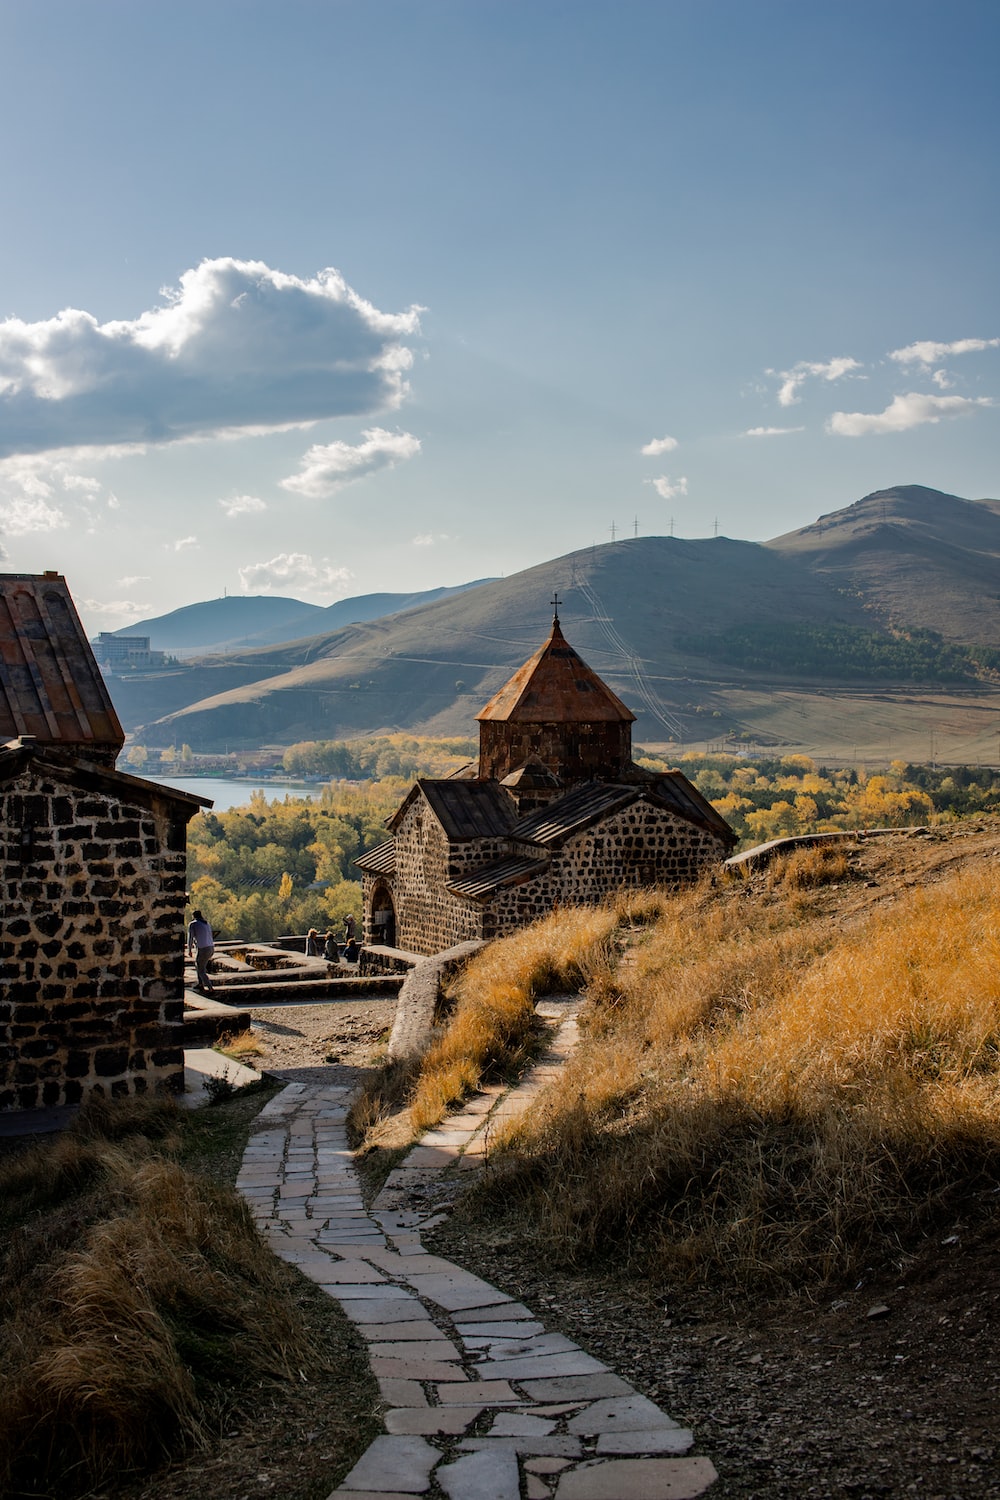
[(556, 813)]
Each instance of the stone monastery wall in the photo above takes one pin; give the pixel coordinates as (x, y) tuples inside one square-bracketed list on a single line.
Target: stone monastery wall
[(641, 845), (585, 750), (428, 917), (91, 952)]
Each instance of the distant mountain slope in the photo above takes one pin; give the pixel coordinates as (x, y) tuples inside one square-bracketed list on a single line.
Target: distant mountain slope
[(241, 622), (623, 606), (216, 623), (680, 630), (921, 559)]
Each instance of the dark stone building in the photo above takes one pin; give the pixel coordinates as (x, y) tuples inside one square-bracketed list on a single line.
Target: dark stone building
[(558, 813), (93, 868)]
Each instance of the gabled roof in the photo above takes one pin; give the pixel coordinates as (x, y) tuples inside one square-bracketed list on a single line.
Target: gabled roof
[(567, 815), (465, 809), (673, 790), (379, 861), (532, 775), (50, 684), (556, 687), (511, 871), (594, 800)]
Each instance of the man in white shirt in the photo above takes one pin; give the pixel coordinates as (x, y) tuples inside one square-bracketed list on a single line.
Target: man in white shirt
[(201, 942)]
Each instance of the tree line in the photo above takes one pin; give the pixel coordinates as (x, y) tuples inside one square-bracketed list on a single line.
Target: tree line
[(282, 866)]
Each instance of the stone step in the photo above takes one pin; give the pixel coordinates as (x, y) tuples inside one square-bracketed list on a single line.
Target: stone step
[(206, 1019), (319, 990)]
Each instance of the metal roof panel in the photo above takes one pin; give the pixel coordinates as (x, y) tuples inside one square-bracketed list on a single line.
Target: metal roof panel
[(51, 687)]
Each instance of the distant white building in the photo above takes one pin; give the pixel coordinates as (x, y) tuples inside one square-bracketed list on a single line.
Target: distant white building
[(117, 651)]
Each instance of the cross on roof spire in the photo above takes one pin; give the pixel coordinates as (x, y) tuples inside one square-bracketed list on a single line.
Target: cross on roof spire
[(555, 609)]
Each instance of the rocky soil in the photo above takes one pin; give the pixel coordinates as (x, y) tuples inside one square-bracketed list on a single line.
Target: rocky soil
[(885, 1388), (322, 1043)]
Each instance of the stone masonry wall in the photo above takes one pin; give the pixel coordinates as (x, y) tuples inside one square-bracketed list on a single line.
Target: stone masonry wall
[(574, 752), (641, 845), (91, 949), (428, 917)]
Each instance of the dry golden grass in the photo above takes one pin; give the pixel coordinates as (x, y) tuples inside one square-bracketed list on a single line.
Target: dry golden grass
[(762, 1097), (132, 1295), (240, 1045), (806, 868), (494, 1028)]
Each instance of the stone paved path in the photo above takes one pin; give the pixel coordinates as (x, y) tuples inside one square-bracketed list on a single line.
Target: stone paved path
[(481, 1403)]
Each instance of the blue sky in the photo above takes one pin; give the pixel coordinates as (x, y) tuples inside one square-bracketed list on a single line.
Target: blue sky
[(323, 298)]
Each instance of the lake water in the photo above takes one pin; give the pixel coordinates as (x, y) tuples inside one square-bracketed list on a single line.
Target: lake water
[(226, 794)]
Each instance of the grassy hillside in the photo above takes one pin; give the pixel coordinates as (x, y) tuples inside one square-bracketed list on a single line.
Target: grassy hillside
[(783, 1077)]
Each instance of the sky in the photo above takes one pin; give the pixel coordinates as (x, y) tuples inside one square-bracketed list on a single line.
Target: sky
[(322, 299)]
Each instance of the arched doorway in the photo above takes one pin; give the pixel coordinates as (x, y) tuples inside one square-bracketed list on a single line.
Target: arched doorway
[(383, 917)]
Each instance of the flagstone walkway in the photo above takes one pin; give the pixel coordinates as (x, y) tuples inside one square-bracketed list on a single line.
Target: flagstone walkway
[(481, 1403)]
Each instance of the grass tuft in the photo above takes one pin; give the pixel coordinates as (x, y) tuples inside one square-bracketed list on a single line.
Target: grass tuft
[(133, 1294)]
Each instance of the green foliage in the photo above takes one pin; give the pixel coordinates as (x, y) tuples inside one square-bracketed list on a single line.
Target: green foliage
[(776, 797), (379, 757), (271, 868), (842, 651)]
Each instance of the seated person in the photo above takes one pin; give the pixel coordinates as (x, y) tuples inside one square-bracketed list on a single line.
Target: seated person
[(331, 951), (351, 952)]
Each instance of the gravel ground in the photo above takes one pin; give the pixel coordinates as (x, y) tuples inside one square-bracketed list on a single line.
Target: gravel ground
[(332, 1043)]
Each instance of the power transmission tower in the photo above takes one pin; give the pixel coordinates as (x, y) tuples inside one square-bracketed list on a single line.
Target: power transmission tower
[(614, 531)]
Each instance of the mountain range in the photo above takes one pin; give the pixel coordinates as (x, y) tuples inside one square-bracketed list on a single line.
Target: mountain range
[(873, 626), (240, 622)]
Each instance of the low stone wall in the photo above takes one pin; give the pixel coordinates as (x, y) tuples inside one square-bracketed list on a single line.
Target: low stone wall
[(418, 999), (381, 960), (760, 856)]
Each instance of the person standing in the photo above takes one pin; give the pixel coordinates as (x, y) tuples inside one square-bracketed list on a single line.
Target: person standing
[(201, 942), (349, 929)]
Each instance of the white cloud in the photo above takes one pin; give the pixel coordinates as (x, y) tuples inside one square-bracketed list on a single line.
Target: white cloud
[(114, 613), (183, 543), (770, 431), (237, 346), (927, 352), (667, 488), (656, 446), (942, 380), (26, 481), (295, 570), (25, 514), (902, 413), (242, 505), (429, 538), (131, 579), (85, 483), (326, 468), (793, 379)]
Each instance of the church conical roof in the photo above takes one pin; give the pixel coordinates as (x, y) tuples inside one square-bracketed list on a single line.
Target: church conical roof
[(556, 687)]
